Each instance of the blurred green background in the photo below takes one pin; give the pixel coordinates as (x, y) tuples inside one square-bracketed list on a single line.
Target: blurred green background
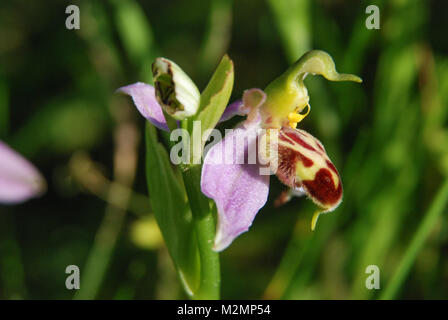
[(388, 137)]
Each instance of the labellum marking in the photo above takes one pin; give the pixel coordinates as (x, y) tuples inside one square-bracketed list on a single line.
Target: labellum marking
[(303, 163), (322, 188)]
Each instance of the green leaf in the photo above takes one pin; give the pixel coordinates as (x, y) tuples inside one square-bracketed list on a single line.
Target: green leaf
[(169, 202), (432, 217), (292, 18), (215, 97)]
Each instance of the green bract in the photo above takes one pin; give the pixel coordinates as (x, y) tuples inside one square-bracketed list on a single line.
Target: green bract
[(216, 95)]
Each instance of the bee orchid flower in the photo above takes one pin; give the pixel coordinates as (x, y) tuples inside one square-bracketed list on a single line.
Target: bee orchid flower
[(238, 188)]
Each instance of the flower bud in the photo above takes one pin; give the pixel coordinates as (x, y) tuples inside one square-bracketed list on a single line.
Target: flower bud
[(175, 91)]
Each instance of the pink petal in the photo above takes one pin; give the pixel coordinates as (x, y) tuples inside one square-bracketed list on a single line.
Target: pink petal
[(238, 189), (233, 109), (253, 99), (145, 100), (19, 179)]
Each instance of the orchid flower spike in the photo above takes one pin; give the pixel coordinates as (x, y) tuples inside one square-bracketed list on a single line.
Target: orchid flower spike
[(239, 189), (19, 179)]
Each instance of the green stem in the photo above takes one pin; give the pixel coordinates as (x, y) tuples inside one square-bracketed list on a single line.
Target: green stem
[(430, 219), (204, 225)]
